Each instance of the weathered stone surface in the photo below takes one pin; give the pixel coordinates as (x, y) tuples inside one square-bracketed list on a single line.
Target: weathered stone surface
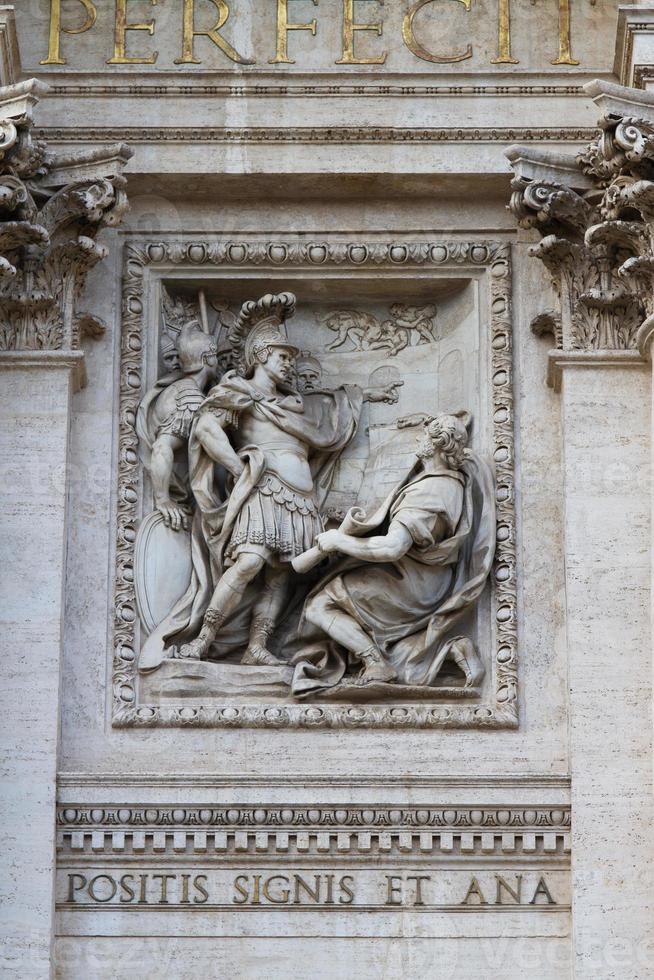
[(201, 819)]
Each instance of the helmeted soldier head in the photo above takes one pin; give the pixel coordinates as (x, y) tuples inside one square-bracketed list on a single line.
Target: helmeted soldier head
[(263, 325), (169, 354), (308, 371), (196, 349)]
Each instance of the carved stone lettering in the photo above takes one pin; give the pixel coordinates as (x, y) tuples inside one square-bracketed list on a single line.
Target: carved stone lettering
[(350, 890)]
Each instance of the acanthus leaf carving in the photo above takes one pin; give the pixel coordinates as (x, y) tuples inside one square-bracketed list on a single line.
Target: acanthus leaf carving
[(49, 219), (598, 237), (625, 144), (543, 204)]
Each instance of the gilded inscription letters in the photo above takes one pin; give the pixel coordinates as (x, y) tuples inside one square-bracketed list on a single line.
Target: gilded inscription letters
[(565, 54), (283, 27), (190, 33), (120, 57), (349, 27), (504, 35), (275, 17), (421, 52), (56, 29)]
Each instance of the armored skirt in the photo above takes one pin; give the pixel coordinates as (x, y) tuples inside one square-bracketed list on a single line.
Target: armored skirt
[(276, 522)]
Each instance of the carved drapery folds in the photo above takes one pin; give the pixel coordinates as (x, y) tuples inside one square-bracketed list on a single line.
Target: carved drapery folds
[(51, 208), (596, 215)]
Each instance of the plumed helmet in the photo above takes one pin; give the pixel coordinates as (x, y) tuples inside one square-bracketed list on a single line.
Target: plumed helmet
[(262, 324), (194, 347)]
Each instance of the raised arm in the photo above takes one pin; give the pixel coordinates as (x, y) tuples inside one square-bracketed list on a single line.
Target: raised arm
[(211, 434), (387, 547)]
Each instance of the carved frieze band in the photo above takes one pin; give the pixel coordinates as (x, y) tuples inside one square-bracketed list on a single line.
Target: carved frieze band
[(311, 134), (492, 258), (416, 831), (294, 89)]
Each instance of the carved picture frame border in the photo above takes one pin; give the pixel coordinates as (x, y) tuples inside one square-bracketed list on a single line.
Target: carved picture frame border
[(241, 254)]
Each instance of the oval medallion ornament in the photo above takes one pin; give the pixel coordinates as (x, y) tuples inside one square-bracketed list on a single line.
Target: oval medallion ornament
[(162, 569)]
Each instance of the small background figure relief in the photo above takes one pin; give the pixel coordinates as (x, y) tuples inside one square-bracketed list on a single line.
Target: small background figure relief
[(406, 326)]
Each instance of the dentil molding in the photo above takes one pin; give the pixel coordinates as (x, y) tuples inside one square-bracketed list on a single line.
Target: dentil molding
[(84, 830)]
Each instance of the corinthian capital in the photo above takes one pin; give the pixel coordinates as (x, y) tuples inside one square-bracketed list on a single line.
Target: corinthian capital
[(625, 143), (595, 212), (51, 209)]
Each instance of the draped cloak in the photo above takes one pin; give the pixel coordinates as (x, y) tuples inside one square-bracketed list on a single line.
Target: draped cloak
[(326, 421), (409, 606)]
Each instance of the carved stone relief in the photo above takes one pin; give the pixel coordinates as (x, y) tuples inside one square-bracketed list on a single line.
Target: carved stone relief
[(245, 443), (405, 326)]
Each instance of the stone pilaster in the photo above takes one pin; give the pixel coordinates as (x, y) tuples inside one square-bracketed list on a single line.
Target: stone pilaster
[(50, 212), (595, 214), (634, 53)]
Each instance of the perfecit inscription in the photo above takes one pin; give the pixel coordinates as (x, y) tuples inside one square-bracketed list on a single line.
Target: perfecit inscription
[(204, 37)]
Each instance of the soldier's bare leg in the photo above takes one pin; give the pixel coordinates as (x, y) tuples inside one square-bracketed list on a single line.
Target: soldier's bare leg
[(265, 614), (323, 611), (225, 600)]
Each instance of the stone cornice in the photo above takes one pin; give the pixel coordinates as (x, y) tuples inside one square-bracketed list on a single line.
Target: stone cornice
[(517, 783), (621, 101), (18, 99), (558, 360), (292, 88), (72, 360)]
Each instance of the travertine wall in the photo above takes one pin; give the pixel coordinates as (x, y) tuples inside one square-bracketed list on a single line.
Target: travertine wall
[(409, 153)]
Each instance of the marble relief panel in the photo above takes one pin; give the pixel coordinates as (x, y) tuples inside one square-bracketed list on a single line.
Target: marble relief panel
[(391, 348)]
